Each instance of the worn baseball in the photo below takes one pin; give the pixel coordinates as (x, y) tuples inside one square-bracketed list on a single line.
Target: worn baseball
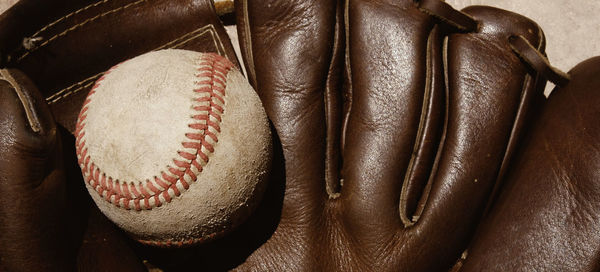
[(174, 147)]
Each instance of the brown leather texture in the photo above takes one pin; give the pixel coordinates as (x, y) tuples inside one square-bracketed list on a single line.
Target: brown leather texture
[(64, 46), (404, 133), (428, 128), (44, 214), (547, 216), (31, 180)]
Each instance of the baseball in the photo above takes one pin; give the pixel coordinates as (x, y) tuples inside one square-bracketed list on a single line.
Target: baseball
[(174, 147)]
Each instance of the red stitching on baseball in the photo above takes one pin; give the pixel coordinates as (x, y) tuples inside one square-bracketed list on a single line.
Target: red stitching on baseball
[(143, 190), (186, 155), (162, 183), (168, 178), (212, 74), (135, 191), (175, 190)]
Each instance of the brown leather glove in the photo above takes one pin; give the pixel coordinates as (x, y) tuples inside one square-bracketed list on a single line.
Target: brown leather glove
[(547, 216), (43, 218), (32, 208), (392, 170), (389, 148)]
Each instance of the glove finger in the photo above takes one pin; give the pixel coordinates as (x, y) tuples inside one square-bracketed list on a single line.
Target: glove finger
[(31, 179), (293, 52), (549, 208), (394, 73), (490, 92), (288, 49)]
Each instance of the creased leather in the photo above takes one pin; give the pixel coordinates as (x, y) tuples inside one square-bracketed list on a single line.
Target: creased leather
[(428, 128), (546, 218), (31, 180), (392, 134), (64, 46), (44, 214)]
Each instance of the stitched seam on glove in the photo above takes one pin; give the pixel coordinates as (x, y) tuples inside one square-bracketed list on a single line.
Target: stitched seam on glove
[(177, 43), (64, 33)]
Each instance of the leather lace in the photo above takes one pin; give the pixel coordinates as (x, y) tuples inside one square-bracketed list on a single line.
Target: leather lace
[(448, 15), (537, 60), (463, 22)]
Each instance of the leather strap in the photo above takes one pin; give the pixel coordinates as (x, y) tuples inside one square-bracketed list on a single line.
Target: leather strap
[(537, 61), (448, 15), (463, 22)]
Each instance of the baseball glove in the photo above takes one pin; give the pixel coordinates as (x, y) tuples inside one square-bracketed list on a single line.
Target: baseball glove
[(395, 124), (546, 217), (396, 119)]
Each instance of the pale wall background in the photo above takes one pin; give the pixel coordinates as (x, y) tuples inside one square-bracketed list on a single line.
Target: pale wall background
[(5, 4)]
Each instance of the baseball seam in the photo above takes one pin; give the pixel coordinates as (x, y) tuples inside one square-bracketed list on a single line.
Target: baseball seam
[(211, 77)]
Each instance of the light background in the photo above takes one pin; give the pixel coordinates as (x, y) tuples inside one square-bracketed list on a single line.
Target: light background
[(5, 4)]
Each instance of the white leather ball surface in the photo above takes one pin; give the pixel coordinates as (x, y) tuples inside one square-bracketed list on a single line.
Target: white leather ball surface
[(174, 146)]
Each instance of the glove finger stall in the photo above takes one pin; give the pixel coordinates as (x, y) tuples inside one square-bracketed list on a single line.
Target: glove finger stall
[(489, 92), (32, 211), (549, 207)]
